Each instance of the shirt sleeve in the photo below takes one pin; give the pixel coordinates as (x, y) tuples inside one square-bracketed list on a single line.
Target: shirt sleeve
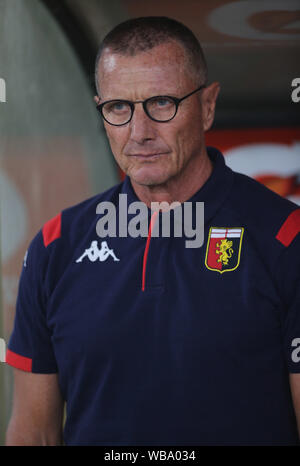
[(30, 345), (288, 275)]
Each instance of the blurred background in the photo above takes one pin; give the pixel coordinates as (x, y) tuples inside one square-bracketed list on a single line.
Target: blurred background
[(53, 151)]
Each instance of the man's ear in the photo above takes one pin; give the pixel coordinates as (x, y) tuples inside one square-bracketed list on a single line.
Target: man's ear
[(96, 99), (209, 98)]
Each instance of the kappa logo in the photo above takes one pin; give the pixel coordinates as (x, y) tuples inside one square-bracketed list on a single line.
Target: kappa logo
[(93, 253), (223, 249)]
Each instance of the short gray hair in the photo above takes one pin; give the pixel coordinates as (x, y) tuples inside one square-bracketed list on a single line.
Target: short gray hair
[(142, 34)]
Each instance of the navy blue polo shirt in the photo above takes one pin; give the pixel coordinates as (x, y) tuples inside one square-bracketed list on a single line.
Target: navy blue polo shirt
[(155, 343)]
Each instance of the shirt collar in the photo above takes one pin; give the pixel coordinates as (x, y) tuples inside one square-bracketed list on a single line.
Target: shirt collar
[(213, 193)]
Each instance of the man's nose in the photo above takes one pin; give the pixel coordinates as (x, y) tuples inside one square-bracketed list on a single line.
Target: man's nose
[(141, 126)]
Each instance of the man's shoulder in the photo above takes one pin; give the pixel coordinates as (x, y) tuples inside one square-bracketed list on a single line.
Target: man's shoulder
[(265, 213), (258, 198), (86, 209), (73, 222)]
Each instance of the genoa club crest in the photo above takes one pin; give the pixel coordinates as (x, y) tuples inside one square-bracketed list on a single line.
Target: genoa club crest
[(224, 248)]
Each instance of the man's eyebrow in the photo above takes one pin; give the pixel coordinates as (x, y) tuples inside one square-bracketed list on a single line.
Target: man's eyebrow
[(161, 94)]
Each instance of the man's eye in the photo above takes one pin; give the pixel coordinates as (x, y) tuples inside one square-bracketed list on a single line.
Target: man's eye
[(117, 107), (162, 102)]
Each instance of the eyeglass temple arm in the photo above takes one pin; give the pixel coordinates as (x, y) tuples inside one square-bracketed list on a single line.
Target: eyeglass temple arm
[(191, 93)]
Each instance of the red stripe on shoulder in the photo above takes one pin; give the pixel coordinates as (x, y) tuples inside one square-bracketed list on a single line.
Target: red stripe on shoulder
[(52, 229), (18, 361), (290, 228)]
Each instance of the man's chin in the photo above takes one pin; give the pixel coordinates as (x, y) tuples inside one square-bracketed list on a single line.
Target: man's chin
[(148, 176)]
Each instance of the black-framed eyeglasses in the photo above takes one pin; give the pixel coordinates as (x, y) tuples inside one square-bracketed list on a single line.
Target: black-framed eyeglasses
[(160, 108)]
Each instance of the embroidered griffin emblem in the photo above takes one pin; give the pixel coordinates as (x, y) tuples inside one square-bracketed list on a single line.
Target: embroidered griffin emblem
[(225, 250)]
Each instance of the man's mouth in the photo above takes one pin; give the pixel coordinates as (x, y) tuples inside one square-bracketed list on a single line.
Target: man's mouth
[(149, 156)]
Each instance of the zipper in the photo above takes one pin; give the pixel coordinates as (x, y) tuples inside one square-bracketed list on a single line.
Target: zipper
[(152, 221)]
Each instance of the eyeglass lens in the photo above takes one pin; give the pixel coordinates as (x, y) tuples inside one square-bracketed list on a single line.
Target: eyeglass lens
[(159, 108)]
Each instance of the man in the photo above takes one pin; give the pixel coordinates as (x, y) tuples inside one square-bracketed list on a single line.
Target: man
[(166, 344)]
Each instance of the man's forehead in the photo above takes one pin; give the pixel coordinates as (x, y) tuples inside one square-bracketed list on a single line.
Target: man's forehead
[(163, 69), (108, 61), (167, 53)]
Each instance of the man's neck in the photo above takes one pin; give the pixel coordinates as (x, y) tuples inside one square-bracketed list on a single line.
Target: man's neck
[(177, 189)]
